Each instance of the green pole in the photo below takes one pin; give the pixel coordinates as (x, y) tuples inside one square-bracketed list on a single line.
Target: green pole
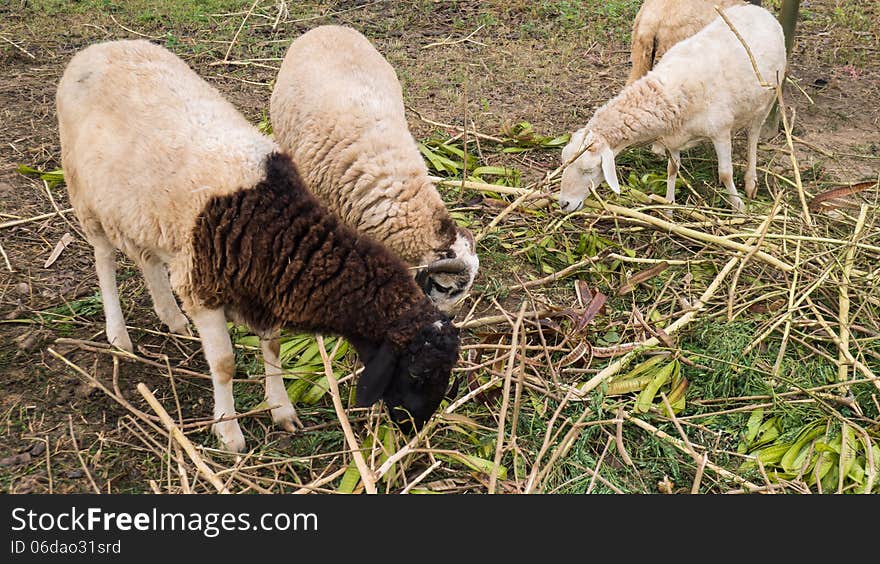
[(788, 14)]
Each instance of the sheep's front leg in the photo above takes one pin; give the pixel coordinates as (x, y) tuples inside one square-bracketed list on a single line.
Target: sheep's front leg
[(283, 413), (105, 266), (211, 325), (164, 303), (725, 169)]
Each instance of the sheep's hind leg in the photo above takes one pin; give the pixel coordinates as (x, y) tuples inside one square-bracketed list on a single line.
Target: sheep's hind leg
[(672, 164), (725, 169), (105, 266), (283, 414), (211, 325), (164, 303), (751, 177)]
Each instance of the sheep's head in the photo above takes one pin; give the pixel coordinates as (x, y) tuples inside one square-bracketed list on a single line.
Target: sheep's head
[(589, 160), (448, 279), (412, 382)]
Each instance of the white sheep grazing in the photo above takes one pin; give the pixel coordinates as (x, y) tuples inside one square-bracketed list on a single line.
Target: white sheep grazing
[(703, 88), (159, 165), (337, 109), (660, 24)]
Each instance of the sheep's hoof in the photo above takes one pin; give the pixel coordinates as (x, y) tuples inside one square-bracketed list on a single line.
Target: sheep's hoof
[(738, 204), (286, 418), (179, 324), (230, 435), (120, 339)]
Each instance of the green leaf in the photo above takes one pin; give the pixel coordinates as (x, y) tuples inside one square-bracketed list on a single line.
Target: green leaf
[(820, 465), (352, 476), (53, 177), (297, 388), (506, 173), (768, 432), (793, 459), (646, 397), (316, 391), (350, 479), (439, 163), (754, 424), (475, 463), (557, 141), (773, 453)]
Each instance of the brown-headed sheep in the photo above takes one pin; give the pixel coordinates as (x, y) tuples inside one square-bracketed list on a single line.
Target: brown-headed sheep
[(337, 109)]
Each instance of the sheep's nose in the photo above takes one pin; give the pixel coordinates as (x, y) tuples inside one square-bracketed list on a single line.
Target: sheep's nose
[(569, 205)]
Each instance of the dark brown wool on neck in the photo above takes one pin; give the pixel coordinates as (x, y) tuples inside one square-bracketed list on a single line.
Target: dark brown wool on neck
[(274, 257)]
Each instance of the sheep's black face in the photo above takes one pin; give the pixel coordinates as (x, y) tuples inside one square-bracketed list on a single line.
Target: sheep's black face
[(414, 381)]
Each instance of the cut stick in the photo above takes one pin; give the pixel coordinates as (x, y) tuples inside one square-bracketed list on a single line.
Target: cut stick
[(787, 330), (688, 233), (15, 222), (843, 301), (679, 444), (79, 456), (686, 318), (493, 319), (499, 441), (558, 275), (794, 306), (786, 127), (367, 476), (184, 442)]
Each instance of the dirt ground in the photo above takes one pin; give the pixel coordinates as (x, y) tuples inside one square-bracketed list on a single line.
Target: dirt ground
[(486, 64)]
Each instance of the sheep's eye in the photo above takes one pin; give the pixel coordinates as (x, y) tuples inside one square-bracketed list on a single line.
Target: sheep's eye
[(441, 287)]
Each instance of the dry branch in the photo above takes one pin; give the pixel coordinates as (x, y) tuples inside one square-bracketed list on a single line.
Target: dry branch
[(181, 439), (367, 476), (499, 440), (695, 235)]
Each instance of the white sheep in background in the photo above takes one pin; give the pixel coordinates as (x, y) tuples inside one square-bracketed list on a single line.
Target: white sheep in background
[(337, 109), (703, 88), (660, 24), (159, 165)]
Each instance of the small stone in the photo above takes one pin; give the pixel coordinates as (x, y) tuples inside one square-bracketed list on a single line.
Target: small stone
[(23, 288), (38, 449), (27, 341), (16, 459), (14, 313)]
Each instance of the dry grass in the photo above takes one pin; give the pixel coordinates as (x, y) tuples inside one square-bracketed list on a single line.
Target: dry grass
[(614, 349)]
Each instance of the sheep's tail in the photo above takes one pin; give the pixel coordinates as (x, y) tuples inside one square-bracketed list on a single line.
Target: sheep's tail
[(644, 47)]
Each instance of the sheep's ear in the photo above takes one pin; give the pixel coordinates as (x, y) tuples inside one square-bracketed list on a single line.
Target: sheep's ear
[(609, 170), (376, 376)]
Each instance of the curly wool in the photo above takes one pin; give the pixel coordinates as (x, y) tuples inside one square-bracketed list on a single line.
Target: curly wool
[(332, 279), (660, 24), (337, 108), (162, 167)]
